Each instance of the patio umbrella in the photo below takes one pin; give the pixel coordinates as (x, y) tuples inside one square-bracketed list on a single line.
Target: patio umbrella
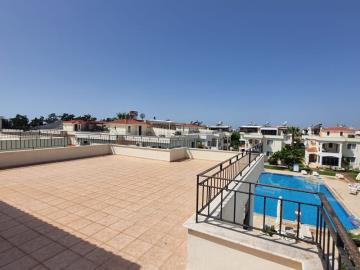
[(278, 213)]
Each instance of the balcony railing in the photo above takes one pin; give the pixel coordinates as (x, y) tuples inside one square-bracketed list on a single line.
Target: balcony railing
[(11, 140), (217, 188)]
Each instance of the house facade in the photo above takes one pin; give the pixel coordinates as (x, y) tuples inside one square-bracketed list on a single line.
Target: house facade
[(129, 127), (273, 139), (337, 147), (82, 125)]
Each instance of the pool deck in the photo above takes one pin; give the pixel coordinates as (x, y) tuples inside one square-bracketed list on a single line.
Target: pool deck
[(338, 187)]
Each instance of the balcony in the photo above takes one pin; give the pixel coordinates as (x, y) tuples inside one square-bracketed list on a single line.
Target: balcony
[(225, 226), (334, 148)]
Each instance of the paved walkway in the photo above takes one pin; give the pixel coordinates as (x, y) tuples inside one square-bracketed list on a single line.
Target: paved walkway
[(108, 212)]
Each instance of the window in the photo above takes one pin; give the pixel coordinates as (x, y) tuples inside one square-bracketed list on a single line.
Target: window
[(328, 133), (341, 133), (351, 136), (268, 153), (129, 129), (330, 161), (269, 142), (351, 146), (350, 159), (330, 145)]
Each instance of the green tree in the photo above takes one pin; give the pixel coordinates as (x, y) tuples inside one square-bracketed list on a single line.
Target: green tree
[(295, 135), (86, 117), (67, 117), (52, 118), (288, 156), (122, 115), (235, 140), (36, 122), (19, 122)]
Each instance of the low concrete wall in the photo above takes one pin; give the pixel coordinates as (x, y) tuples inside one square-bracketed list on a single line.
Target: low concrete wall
[(177, 154), (37, 156), (18, 158), (174, 154), (212, 253), (206, 154), (144, 152)]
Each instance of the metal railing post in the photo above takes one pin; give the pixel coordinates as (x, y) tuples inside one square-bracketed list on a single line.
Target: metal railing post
[(197, 198), (249, 157)]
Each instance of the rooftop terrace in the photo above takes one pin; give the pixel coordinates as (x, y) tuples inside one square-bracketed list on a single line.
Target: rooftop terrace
[(110, 212)]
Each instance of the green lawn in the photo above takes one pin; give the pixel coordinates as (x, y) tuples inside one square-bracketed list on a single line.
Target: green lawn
[(326, 172)]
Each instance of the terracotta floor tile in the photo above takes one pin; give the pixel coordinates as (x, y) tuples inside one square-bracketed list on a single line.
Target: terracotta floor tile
[(25, 262), (137, 248), (105, 235), (35, 244), (91, 229), (156, 256), (145, 204), (151, 236), (120, 241), (136, 230), (82, 248), (121, 225), (10, 256), (61, 260), (81, 264), (79, 223), (47, 252), (174, 262)]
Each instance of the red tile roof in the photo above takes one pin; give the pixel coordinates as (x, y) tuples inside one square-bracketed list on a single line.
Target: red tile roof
[(127, 121), (80, 121)]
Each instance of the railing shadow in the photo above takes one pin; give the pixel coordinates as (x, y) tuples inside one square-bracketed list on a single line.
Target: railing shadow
[(27, 242)]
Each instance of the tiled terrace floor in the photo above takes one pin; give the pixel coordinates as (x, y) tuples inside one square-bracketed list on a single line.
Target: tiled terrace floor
[(108, 212)]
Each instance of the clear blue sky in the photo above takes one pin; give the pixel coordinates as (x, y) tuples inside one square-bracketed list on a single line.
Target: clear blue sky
[(236, 61)]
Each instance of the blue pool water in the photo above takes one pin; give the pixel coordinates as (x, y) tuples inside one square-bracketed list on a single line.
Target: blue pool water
[(308, 213)]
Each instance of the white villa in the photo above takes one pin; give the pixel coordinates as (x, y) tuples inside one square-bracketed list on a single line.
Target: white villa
[(273, 139), (189, 133), (332, 147)]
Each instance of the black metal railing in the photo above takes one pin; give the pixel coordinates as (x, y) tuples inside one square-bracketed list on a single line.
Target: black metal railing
[(227, 170), (223, 196)]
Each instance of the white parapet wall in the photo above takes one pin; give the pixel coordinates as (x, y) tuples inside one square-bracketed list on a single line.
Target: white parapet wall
[(149, 153), (206, 154), (36, 156), (18, 158), (170, 155)]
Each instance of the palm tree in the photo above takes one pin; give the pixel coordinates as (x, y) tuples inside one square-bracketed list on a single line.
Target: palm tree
[(142, 116), (122, 115), (295, 135)]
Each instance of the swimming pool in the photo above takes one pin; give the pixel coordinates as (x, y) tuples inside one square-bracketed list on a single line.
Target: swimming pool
[(308, 213)]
